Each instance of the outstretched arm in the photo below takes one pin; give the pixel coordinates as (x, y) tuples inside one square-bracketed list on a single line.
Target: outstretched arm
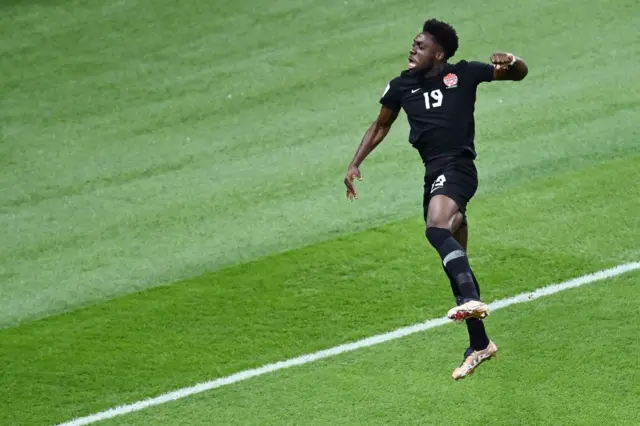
[(374, 135), (508, 67)]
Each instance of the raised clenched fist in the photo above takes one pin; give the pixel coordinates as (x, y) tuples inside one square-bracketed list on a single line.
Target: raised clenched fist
[(503, 60)]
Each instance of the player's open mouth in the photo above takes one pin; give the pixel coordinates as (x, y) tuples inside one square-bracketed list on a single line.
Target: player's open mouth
[(412, 63)]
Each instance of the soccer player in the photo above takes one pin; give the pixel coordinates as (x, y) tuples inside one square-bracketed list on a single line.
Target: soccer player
[(438, 98)]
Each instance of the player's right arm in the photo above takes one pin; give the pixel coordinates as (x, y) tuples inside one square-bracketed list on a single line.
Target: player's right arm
[(372, 138)]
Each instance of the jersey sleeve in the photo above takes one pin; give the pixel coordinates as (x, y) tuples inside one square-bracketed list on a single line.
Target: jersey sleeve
[(480, 71), (392, 97)]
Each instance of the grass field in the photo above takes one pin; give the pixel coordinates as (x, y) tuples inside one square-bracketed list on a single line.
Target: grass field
[(172, 211)]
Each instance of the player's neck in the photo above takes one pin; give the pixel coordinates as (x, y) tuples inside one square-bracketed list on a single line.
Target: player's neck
[(437, 69)]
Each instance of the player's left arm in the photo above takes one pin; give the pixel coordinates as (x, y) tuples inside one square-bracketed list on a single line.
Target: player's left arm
[(508, 66)]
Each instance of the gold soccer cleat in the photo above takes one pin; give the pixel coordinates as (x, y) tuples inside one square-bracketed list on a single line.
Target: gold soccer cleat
[(471, 309), (474, 359)]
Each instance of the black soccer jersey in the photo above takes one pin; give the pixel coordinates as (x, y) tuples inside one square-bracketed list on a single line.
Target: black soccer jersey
[(439, 108)]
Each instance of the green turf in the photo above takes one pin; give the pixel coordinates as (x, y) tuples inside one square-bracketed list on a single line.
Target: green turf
[(555, 366), (310, 299), (144, 142), (191, 144)]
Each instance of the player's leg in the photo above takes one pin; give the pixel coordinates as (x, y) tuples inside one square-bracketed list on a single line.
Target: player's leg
[(481, 348), (442, 214), (445, 205), (478, 339), (460, 231), (448, 195), (461, 237)]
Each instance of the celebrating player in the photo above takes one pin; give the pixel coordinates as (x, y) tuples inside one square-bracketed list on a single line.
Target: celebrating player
[(438, 98)]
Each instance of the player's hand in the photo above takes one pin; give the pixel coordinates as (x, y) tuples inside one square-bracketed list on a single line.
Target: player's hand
[(502, 60), (352, 173)]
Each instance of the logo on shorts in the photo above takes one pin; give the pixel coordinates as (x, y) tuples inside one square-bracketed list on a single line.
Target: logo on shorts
[(438, 183), (450, 80)]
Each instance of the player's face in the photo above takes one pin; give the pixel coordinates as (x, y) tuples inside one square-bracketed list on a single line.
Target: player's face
[(425, 52)]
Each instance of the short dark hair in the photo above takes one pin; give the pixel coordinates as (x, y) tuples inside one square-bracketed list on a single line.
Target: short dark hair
[(444, 34)]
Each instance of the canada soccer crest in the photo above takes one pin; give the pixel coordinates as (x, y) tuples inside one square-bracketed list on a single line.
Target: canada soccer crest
[(450, 80)]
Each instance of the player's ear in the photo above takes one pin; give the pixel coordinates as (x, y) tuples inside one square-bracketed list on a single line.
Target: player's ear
[(440, 56)]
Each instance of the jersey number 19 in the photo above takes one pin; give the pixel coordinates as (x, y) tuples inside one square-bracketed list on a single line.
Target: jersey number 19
[(437, 97)]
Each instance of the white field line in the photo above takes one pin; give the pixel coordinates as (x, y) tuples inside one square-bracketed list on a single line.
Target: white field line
[(347, 347)]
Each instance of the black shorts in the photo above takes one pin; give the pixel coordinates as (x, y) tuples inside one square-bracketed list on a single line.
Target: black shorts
[(457, 178)]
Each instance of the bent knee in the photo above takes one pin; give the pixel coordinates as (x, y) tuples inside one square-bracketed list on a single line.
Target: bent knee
[(443, 212), (450, 222), (438, 222)]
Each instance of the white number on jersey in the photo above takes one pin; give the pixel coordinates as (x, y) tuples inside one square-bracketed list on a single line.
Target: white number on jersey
[(437, 97)]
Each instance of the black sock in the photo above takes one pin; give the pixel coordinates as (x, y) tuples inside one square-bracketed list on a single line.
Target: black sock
[(455, 262), (478, 338), (454, 286), (475, 282)]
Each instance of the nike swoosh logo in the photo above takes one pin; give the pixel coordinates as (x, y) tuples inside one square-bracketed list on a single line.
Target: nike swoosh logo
[(415, 90)]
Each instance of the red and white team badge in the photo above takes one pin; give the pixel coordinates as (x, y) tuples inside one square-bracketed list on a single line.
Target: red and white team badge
[(450, 80)]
